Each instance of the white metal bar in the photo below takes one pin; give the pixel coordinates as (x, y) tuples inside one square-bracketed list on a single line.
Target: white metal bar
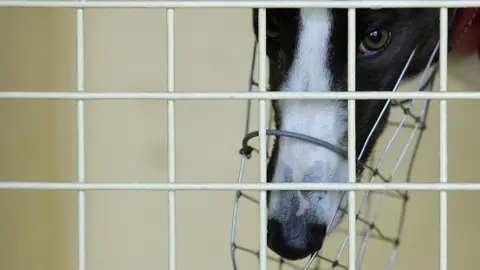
[(352, 157), (417, 186), (443, 136), (81, 234), (262, 126), (241, 95), (171, 138), (248, 4)]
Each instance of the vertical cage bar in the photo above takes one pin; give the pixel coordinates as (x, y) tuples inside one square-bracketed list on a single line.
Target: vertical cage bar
[(262, 114), (352, 53), (443, 136), (171, 138), (81, 141)]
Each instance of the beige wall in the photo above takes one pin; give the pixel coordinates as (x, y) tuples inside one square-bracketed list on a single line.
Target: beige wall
[(27, 139), (126, 142)]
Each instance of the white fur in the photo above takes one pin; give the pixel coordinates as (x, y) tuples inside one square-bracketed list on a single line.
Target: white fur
[(321, 119)]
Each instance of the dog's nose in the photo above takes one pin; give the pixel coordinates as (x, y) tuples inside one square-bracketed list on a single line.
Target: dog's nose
[(292, 244)]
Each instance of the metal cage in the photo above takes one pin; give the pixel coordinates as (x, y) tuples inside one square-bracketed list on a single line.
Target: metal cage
[(82, 186)]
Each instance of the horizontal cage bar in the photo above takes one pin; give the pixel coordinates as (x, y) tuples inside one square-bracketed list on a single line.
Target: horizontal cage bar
[(241, 95), (243, 186), (247, 4)]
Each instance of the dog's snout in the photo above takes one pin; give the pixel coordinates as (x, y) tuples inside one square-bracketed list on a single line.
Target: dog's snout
[(295, 242)]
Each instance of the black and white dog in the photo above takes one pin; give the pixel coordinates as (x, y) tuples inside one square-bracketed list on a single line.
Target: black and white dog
[(307, 51)]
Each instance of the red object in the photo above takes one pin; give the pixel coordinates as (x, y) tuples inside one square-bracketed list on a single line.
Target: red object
[(466, 33)]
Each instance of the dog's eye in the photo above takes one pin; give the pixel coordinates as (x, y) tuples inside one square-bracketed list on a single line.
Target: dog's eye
[(374, 42)]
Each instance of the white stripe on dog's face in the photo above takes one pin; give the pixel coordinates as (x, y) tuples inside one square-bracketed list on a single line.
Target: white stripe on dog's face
[(300, 161)]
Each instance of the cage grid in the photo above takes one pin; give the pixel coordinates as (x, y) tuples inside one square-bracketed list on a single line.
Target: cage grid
[(171, 187)]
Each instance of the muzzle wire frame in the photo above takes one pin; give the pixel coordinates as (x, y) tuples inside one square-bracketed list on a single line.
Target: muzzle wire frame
[(367, 213)]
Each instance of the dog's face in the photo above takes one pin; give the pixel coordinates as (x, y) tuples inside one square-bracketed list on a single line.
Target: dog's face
[(307, 49)]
